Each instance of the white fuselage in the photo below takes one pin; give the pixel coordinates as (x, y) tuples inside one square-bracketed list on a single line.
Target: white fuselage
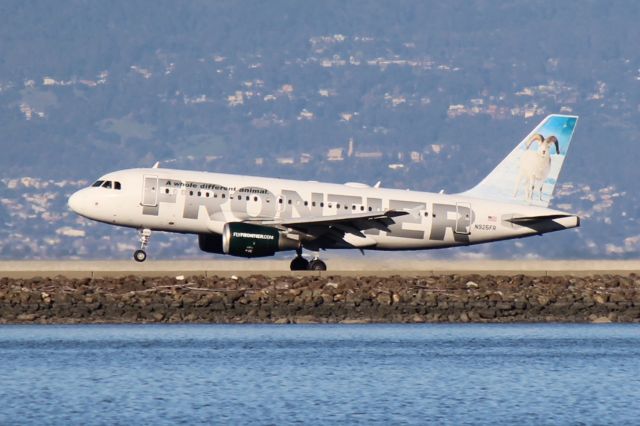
[(202, 203)]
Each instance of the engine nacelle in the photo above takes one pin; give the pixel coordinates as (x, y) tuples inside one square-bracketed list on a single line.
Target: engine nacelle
[(210, 243), (247, 240)]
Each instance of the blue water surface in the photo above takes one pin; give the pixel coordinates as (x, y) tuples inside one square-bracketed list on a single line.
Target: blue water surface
[(320, 374)]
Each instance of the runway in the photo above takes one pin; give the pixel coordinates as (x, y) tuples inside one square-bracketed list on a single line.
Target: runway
[(337, 267)]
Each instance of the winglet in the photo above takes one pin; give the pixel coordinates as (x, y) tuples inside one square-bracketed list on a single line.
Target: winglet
[(156, 166)]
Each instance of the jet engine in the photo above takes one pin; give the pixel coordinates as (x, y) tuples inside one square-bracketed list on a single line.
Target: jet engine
[(247, 240)]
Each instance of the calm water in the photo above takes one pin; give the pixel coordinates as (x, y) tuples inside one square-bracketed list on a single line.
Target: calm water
[(455, 374)]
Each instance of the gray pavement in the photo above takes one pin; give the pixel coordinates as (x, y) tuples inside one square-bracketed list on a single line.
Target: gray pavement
[(345, 266)]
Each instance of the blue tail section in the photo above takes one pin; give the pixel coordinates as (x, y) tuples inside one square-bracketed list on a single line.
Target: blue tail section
[(528, 175)]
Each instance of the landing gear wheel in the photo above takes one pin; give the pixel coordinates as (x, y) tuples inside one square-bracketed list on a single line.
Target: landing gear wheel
[(299, 263), (143, 235), (317, 265), (140, 255)]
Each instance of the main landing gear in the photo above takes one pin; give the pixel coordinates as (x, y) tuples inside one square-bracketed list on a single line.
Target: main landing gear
[(141, 255), (317, 265), (299, 263)]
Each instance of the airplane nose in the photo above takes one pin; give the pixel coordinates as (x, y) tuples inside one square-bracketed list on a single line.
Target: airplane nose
[(74, 202), (78, 202)]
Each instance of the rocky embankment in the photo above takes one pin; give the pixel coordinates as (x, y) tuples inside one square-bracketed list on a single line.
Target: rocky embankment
[(310, 299)]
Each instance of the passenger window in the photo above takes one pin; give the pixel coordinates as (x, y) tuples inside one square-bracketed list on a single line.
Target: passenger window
[(97, 183), (190, 192), (313, 203), (255, 199), (166, 191), (107, 184), (306, 203), (370, 208), (248, 198), (223, 195), (337, 206), (289, 201)]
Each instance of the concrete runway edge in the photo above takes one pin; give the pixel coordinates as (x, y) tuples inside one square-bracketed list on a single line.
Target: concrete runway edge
[(337, 267)]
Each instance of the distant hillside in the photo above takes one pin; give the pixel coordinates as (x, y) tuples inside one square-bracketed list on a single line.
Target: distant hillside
[(424, 95)]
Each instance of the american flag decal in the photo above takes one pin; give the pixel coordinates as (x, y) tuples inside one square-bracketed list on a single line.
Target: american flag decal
[(491, 218)]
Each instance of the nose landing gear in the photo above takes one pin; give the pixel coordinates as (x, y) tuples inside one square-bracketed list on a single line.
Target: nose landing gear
[(144, 236)]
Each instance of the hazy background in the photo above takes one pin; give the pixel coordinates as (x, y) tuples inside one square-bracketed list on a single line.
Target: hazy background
[(432, 95)]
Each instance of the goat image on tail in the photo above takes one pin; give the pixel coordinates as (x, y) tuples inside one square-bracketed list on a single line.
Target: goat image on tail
[(535, 165)]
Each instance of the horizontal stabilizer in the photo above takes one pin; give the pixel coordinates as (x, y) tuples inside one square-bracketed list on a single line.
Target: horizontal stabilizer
[(528, 220)]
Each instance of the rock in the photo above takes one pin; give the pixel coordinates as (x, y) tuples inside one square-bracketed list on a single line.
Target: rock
[(601, 298), (471, 284), (543, 300), (190, 318), (384, 299), (601, 320), (618, 297), (282, 286), (180, 278), (487, 313), (305, 319), (417, 318), (26, 317), (326, 298), (355, 321), (505, 306)]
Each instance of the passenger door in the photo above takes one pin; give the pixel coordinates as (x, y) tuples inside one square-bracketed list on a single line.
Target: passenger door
[(150, 191)]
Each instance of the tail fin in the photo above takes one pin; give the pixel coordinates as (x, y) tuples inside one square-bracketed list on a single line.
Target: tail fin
[(529, 173)]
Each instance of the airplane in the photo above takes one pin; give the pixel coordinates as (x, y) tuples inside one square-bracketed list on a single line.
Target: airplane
[(251, 216)]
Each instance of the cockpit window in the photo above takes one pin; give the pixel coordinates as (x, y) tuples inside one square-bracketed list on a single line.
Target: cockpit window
[(116, 185), (97, 183), (107, 184)]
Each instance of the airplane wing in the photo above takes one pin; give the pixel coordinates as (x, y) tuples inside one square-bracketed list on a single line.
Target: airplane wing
[(329, 220), (337, 227)]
